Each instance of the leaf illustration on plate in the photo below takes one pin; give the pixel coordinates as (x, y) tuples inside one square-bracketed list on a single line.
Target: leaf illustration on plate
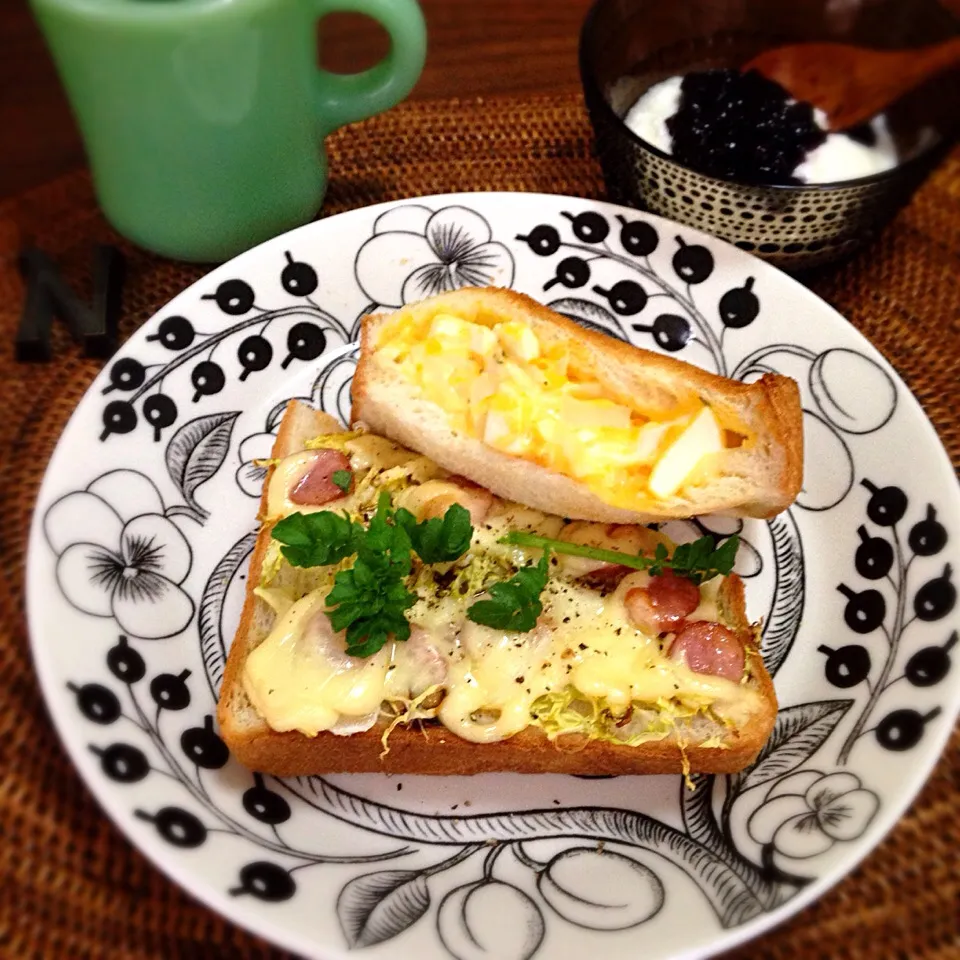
[(378, 906), (783, 622), (212, 648), (797, 734), (195, 453), (589, 315), (696, 807)]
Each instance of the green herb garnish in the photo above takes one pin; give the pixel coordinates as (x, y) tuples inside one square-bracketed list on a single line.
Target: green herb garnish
[(317, 539), (698, 561), (370, 599), (342, 479), (514, 604), (438, 540)]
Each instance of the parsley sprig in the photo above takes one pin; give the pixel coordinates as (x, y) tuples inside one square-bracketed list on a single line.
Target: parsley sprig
[(698, 561), (317, 539), (342, 479), (370, 599), (438, 540), (514, 604)]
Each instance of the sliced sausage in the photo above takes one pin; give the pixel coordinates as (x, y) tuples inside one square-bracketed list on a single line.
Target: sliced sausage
[(662, 605), (316, 486), (709, 648), (607, 576)]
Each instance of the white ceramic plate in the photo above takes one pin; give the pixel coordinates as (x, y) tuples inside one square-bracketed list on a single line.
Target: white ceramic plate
[(145, 522)]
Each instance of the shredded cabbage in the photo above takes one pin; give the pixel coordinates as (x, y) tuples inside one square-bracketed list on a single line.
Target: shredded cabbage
[(568, 711), (409, 710), (272, 562), (332, 441)]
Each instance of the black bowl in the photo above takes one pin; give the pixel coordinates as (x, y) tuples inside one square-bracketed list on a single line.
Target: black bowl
[(627, 46)]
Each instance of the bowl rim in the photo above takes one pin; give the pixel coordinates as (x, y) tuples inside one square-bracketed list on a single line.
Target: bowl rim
[(590, 86)]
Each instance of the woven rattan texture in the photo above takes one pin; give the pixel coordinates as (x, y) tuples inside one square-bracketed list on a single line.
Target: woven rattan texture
[(71, 886)]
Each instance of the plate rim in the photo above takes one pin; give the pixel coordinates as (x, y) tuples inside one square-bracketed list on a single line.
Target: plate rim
[(255, 921)]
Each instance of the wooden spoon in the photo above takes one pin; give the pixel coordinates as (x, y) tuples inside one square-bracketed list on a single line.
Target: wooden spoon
[(852, 84)]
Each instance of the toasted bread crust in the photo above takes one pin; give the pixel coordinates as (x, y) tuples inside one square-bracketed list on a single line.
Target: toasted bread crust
[(757, 482), (429, 748)]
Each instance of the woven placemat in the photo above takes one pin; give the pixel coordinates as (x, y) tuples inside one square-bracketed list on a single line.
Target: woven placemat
[(70, 885)]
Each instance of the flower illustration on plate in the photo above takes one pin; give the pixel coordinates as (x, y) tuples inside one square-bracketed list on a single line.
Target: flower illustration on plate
[(253, 452), (415, 253), (806, 813), (114, 561)]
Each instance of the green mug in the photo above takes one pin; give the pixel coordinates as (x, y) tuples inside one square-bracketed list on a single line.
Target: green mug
[(203, 120)]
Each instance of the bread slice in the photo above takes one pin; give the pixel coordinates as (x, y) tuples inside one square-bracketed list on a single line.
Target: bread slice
[(428, 747), (759, 480)]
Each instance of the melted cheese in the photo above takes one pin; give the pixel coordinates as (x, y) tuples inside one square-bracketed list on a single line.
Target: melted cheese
[(299, 678), (499, 384)]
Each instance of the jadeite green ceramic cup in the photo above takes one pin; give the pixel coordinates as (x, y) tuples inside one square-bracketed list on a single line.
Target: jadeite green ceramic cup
[(204, 120)]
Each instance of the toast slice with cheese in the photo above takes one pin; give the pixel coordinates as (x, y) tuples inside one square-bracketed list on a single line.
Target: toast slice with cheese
[(493, 385), (471, 699)]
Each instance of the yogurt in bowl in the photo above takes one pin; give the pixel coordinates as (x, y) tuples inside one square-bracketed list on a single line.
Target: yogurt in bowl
[(745, 127), (737, 157)]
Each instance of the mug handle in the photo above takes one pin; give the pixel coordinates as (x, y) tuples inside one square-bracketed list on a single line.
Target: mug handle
[(346, 98)]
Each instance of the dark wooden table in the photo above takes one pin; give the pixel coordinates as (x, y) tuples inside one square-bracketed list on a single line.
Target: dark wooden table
[(476, 48)]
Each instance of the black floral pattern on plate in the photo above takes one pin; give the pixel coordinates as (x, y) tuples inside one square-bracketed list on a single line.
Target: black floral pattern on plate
[(493, 884), (306, 331)]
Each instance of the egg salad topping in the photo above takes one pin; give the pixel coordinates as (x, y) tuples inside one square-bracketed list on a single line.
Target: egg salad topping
[(584, 667), (498, 383)]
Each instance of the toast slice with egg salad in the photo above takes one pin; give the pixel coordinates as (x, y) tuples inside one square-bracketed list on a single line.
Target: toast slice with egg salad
[(493, 385), (402, 618)]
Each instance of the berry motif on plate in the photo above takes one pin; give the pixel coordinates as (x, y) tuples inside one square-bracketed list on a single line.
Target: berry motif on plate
[(352, 862), (297, 332), (190, 758), (849, 393), (890, 605), (377, 906), (330, 392), (692, 264)]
